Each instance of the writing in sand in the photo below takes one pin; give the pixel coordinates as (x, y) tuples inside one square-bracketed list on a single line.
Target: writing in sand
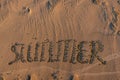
[(72, 51)]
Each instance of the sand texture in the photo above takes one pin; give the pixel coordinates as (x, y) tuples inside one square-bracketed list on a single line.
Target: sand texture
[(59, 39)]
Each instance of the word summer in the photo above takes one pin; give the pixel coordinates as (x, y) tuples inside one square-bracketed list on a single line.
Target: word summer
[(71, 51)]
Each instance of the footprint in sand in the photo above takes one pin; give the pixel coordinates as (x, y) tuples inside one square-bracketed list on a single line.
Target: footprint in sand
[(25, 11)]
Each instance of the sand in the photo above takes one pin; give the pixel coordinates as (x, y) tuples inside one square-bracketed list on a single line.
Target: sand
[(59, 40)]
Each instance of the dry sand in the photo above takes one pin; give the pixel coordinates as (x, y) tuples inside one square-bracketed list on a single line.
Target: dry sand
[(24, 23)]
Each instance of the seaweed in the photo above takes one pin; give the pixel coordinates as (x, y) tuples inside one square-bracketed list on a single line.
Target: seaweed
[(73, 57), (51, 52), (18, 55), (59, 50), (36, 52), (96, 47), (43, 50), (81, 51), (29, 58), (93, 51), (66, 50)]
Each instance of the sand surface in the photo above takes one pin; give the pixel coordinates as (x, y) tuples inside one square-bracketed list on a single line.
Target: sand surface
[(59, 39)]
